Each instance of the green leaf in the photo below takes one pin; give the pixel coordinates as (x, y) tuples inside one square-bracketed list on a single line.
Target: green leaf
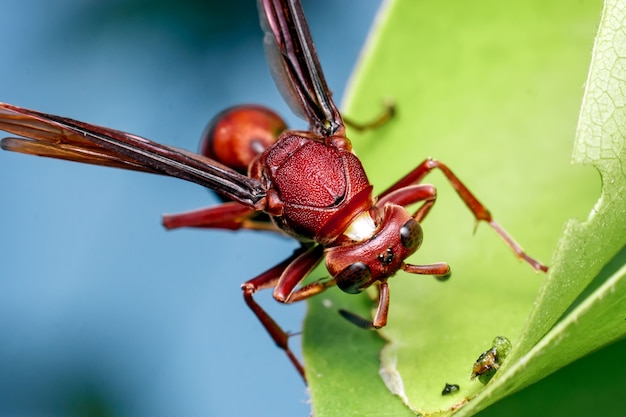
[(494, 90)]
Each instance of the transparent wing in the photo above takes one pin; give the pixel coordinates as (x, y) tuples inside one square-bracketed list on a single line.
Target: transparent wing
[(59, 137), (295, 66)]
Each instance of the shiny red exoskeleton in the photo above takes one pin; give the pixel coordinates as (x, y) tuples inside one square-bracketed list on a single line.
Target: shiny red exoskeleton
[(308, 184)]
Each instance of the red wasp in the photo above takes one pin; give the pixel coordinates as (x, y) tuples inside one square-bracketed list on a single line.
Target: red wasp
[(307, 184)]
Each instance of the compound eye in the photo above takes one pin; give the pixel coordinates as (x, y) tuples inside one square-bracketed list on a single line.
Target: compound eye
[(353, 278), (411, 235)]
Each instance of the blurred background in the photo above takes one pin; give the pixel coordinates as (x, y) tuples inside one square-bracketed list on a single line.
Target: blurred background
[(103, 312)]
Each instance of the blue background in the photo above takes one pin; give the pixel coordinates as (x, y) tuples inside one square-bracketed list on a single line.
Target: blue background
[(103, 312)]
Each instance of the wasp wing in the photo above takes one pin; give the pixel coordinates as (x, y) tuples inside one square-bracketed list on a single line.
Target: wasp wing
[(63, 138), (295, 67)]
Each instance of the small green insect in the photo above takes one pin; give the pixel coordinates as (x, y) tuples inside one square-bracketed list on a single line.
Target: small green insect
[(490, 360)]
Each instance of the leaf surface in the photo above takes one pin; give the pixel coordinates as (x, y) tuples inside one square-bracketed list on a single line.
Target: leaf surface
[(494, 90)]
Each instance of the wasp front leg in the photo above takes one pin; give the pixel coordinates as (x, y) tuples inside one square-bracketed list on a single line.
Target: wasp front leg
[(285, 279), (408, 190)]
